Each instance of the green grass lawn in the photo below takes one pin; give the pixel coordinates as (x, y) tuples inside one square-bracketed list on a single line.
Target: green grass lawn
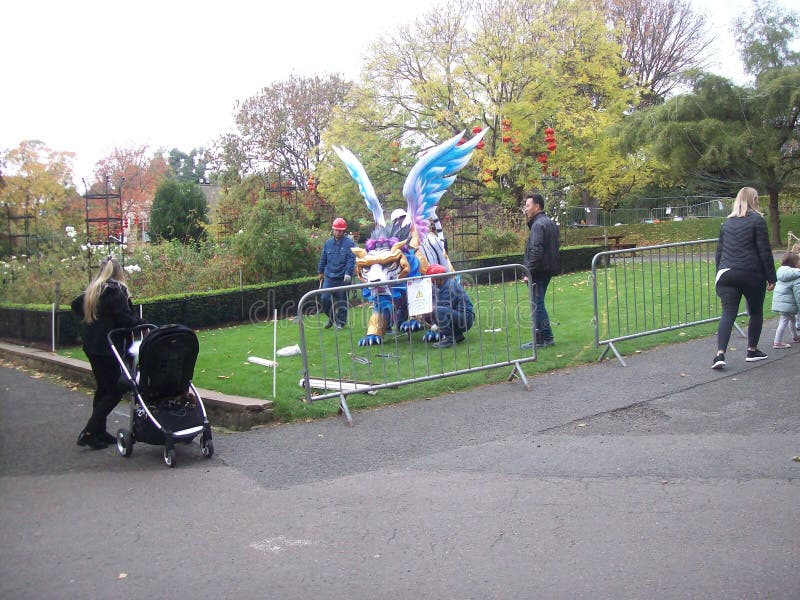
[(222, 364)]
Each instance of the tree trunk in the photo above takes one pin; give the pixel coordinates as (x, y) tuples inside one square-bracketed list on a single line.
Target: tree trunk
[(774, 219)]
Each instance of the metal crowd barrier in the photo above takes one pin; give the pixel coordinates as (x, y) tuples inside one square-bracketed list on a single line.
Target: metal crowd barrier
[(652, 289), (335, 365)]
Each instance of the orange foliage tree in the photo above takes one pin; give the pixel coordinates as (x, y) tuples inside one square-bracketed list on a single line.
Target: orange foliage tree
[(135, 174)]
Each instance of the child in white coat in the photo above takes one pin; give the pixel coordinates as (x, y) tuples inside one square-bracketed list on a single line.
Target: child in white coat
[(786, 298)]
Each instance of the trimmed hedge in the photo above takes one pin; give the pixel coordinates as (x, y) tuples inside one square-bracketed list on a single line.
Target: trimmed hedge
[(33, 325)]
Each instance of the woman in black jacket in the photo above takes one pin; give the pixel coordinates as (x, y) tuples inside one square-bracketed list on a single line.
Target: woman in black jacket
[(745, 267), (105, 305)]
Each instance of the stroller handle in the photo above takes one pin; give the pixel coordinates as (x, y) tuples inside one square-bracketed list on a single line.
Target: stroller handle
[(118, 335)]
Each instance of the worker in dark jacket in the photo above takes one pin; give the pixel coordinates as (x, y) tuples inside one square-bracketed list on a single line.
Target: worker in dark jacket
[(543, 260), (454, 311), (336, 266), (105, 305), (745, 267)]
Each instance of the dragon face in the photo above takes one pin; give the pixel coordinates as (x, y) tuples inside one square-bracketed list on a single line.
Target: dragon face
[(382, 260)]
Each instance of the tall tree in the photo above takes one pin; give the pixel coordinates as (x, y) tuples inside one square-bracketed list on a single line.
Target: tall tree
[(188, 167), (723, 136), (662, 40), (764, 36), (179, 212), (280, 128)]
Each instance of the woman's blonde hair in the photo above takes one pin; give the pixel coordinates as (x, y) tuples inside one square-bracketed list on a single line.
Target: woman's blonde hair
[(746, 199), (109, 269)]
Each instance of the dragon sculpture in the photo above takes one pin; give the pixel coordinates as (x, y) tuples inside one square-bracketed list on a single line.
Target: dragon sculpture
[(398, 250)]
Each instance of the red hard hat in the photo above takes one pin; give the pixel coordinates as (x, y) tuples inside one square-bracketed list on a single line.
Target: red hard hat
[(339, 224), (435, 269)]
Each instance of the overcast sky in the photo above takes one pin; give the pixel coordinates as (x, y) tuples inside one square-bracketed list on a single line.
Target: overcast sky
[(86, 76)]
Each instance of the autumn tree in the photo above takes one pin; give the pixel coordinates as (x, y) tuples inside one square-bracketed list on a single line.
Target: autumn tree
[(135, 173), (662, 40), (38, 197), (468, 65), (280, 129)]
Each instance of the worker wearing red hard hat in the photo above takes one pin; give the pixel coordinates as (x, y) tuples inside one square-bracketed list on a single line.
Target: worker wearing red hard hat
[(454, 312), (335, 269)]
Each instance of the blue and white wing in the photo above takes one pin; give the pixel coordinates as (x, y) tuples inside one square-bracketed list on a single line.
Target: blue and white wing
[(432, 175), (359, 175)]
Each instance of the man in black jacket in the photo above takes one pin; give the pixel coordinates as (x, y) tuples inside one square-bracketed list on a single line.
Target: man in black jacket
[(543, 261)]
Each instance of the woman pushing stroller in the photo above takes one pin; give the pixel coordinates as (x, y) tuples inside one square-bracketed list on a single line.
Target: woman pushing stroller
[(105, 305)]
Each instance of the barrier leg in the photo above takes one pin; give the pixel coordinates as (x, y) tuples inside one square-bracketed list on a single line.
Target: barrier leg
[(610, 346), (344, 409), (518, 372)]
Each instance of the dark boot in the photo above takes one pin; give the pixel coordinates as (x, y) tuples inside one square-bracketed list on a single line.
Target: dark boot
[(87, 438)]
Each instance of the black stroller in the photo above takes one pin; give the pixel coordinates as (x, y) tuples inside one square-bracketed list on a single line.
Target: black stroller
[(157, 367)]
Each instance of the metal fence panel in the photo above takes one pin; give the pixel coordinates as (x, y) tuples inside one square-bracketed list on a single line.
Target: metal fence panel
[(652, 289), (335, 365)]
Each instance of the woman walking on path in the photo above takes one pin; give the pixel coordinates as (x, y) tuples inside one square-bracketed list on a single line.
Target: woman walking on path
[(745, 267), (786, 298), (105, 305)]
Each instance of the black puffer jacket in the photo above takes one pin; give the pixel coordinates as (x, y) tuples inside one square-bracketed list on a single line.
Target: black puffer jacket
[(114, 311), (744, 244), (541, 250)]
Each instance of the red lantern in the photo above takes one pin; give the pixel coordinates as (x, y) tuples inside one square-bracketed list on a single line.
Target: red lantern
[(479, 145), (506, 139), (549, 131), (516, 149), (477, 129), (552, 146), (461, 141), (506, 124), (555, 173)]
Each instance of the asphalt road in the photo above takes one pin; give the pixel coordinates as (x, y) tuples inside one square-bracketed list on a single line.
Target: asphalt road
[(662, 479)]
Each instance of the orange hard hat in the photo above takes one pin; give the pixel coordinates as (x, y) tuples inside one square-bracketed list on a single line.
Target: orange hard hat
[(435, 269), (339, 224)]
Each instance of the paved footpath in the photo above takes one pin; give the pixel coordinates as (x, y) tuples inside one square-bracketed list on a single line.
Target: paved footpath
[(662, 479)]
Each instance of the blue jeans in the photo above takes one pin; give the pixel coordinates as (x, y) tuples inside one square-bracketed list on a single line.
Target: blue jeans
[(543, 330), (334, 304)]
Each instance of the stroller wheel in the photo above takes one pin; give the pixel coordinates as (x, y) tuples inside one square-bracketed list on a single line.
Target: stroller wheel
[(124, 442), (206, 447), (169, 457)]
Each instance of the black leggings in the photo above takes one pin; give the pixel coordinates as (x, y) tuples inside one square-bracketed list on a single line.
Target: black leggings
[(731, 286), (106, 373)]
